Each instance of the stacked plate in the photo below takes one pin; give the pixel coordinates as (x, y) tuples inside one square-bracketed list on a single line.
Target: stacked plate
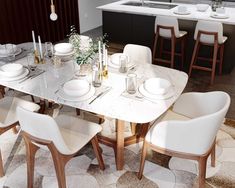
[(8, 49), (12, 72), (64, 51), (76, 90), (114, 61), (156, 88)]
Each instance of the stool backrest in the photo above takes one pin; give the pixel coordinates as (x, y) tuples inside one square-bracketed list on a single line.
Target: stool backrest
[(167, 21), (209, 26)]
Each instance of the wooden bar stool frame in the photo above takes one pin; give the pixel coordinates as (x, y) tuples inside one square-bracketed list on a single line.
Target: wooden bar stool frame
[(59, 159), (174, 41), (216, 48)]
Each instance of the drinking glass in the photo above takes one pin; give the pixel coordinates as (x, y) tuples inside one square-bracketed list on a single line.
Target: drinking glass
[(131, 83), (123, 60), (96, 76), (31, 64), (48, 50)]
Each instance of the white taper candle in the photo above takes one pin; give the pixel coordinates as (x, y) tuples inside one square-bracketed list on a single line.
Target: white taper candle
[(34, 42)]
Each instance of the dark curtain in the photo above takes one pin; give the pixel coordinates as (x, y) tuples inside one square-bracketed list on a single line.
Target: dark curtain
[(19, 17)]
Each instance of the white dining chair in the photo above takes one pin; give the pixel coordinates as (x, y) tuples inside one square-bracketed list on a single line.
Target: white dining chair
[(189, 129), (208, 33), (64, 136), (138, 53), (167, 28), (8, 117)]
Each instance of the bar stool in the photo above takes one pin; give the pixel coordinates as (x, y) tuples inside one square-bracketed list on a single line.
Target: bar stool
[(168, 28), (208, 34)]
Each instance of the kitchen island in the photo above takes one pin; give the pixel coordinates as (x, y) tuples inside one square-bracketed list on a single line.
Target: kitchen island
[(135, 24)]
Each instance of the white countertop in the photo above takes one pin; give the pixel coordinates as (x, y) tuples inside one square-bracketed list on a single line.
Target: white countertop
[(194, 14), (112, 104)]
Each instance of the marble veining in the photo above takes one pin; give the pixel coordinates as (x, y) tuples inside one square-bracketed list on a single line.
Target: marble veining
[(111, 104)]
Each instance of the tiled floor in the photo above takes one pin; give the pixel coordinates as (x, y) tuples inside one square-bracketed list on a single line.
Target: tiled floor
[(199, 80)]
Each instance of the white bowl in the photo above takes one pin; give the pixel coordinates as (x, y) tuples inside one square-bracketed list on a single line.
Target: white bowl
[(157, 86), (8, 49), (11, 69), (76, 88), (63, 48), (202, 7), (182, 9)]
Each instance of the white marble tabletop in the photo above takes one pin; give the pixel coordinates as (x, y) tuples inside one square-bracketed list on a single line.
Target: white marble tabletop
[(194, 14), (113, 104)]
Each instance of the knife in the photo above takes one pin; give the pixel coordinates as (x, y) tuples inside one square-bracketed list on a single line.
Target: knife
[(35, 75), (100, 94)]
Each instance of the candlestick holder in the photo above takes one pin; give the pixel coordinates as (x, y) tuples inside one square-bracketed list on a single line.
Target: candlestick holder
[(105, 71), (37, 58)]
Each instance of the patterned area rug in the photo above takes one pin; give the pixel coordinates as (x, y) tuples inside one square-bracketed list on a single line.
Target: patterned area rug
[(83, 171)]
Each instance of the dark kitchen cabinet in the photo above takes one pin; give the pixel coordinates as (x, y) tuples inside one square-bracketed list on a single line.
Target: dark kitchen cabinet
[(129, 28)]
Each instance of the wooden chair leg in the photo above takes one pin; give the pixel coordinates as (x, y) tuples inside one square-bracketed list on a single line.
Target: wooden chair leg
[(155, 47), (59, 163), (202, 172), (221, 58), (215, 53), (213, 156), (183, 52), (42, 106), (133, 128), (1, 165), (143, 156), (195, 53), (31, 150), (14, 129), (172, 52), (161, 47), (78, 112), (99, 157)]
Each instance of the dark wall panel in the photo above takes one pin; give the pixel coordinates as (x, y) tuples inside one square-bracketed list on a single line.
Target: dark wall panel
[(19, 17)]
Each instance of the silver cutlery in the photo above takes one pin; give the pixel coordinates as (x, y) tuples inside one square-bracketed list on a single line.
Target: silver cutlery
[(100, 94), (31, 77)]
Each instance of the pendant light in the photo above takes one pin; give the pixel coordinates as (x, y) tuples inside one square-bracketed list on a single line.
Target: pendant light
[(53, 15)]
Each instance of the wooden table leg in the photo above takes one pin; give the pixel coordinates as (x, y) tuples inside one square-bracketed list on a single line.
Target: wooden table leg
[(1, 165), (120, 145)]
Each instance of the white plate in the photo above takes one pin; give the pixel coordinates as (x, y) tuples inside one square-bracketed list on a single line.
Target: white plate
[(146, 94), (17, 52), (66, 97), (157, 86), (64, 54), (219, 16), (182, 13), (21, 76), (76, 87), (114, 61)]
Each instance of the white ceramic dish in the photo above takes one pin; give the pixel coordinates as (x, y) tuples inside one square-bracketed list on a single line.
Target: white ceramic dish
[(76, 88), (114, 61), (66, 97), (17, 52), (187, 12), (8, 49), (157, 86), (219, 16), (11, 69), (165, 96), (202, 7), (63, 48), (21, 76)]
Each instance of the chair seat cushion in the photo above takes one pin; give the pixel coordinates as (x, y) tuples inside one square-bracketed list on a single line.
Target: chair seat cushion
[(181, 34), (169, 115), (76, 132)]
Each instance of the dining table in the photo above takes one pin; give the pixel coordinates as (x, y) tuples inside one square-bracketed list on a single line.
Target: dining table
[(115, 103)]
